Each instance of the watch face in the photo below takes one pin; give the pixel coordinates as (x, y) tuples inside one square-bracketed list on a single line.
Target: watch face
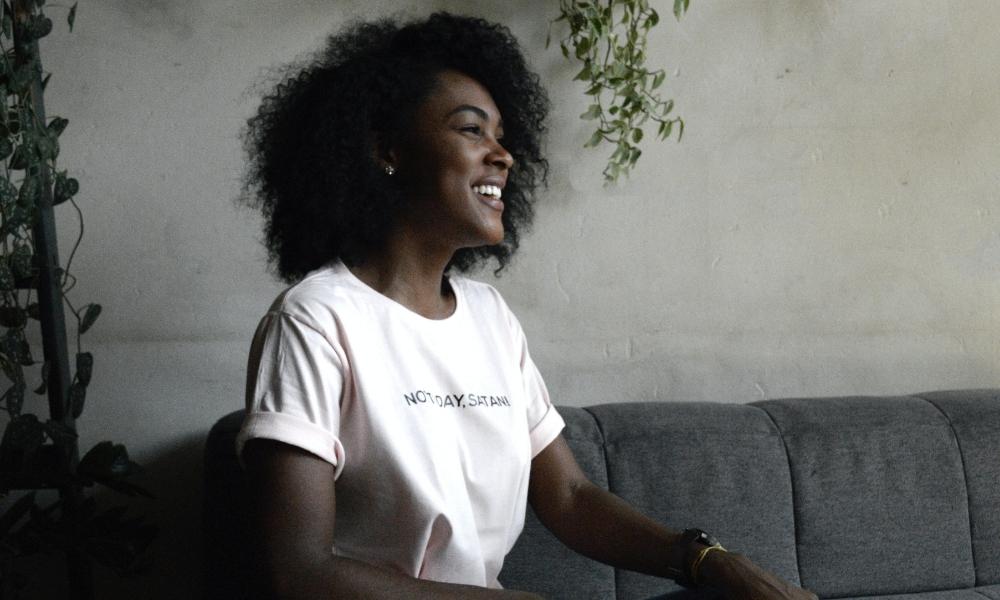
[(702, 537)]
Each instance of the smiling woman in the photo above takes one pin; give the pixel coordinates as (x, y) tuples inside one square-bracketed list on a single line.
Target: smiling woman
[(314, 143), (396, 425)]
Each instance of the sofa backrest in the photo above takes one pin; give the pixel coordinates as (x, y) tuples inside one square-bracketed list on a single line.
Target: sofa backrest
[(719, 467), (974, 417), (846, 496), (880, 497)]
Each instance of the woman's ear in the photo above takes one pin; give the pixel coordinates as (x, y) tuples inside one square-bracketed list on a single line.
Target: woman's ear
[(384, 153)]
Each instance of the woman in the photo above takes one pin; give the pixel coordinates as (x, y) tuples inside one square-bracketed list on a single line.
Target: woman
[(394, 413)]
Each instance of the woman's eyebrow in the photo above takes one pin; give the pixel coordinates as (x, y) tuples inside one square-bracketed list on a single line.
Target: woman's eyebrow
[(470, 108)]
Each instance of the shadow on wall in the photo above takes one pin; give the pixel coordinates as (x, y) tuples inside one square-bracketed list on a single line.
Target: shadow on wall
[(174, 475)]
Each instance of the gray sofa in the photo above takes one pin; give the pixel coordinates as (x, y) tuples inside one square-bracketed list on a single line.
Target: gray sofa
[(850, 497)]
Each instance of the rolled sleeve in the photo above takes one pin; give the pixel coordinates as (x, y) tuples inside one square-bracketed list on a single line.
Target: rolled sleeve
[(544, 421), (295, 379)]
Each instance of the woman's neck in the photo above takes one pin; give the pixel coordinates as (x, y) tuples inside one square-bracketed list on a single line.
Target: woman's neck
[(411, 277)]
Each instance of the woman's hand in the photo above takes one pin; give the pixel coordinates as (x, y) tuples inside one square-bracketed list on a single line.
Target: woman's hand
[(738, 578)]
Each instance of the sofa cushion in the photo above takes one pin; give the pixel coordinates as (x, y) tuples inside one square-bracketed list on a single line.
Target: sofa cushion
[(978, 593), (975, 418), (880, 500), (539, 562), (990, 591), (719, 467)]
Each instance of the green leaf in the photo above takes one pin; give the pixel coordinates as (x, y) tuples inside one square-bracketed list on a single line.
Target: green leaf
[(594, 140), (31, 188), (77, 398), (84, 367), (658, 80), (15, 513), (8, 27), (45, 81), (40, 26), (21, 263), (8, 363), (57, 126), (21, 158), (13, 398), (47, 147), (633, 156), (593, 112), (90, 314), (13, 317), (44, 386), (6, 277), (71, 18), (107, 461), (23, 432), (8, 193), (64, 188), (17, 347), (636, 135), (60, 433), (16, 217), (680, 7)]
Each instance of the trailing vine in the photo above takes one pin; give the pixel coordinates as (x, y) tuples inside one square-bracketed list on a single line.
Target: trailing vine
[(41, 453), (609, 38)]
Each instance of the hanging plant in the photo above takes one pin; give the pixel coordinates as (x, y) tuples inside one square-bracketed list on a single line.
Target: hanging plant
[(609, 38), (38, 453)]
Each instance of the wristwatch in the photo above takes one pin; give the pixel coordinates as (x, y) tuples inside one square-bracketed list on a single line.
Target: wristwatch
[(695, 544)]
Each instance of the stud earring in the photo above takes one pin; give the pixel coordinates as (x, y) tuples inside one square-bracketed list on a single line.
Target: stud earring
[(389, 170)]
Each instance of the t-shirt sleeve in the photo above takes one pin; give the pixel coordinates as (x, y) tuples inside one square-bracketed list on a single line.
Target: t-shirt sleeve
[(295, 379), (544, 421)]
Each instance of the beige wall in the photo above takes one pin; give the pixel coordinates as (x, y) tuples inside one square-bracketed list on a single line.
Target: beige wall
[(829, 224)]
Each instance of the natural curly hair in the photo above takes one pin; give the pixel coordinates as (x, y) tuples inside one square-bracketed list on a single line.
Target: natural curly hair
[(312, 169)]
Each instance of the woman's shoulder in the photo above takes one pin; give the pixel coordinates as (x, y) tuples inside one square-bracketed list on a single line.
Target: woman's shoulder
[(318, 296), (478, 293), (485, 302)]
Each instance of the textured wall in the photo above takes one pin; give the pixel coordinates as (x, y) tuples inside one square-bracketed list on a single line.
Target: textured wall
[(829, 225)]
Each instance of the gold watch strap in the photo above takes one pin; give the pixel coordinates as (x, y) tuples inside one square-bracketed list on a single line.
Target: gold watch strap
[(696, 563)]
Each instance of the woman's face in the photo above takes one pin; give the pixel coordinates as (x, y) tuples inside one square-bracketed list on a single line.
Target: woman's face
[(452, 165)]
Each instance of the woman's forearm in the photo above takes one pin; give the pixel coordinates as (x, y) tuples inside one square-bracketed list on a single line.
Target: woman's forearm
[(348, 579), (602, 526)]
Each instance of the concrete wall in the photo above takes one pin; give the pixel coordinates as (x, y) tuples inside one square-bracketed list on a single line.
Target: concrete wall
[(829, 224)]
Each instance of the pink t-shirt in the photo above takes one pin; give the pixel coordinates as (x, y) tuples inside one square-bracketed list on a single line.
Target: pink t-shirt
[(431, 424)]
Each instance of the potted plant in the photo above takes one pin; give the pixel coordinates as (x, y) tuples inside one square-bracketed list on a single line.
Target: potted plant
[(42, 479)]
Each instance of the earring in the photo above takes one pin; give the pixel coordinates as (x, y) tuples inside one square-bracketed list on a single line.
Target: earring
[(389, 170)]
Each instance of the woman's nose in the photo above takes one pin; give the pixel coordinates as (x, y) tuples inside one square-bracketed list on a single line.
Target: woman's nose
[(499, 157)]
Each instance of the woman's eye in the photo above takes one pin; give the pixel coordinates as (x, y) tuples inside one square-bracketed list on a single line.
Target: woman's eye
[(472, 129)]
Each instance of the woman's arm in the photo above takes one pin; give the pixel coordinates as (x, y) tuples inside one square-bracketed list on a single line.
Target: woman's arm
[(602, 526), (294, 506)]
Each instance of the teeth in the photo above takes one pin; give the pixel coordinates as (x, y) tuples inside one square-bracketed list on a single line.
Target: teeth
[(487, 190)]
